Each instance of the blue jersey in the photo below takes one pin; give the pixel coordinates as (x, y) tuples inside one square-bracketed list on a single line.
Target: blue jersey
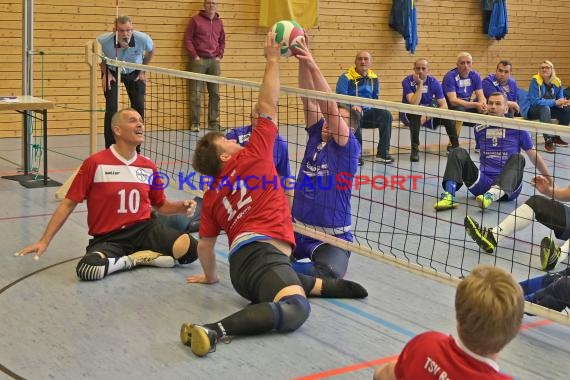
[(463, 87), (431, 90), (497, 145), (491, 84), (320, 200), (139, 44), (280, 149)]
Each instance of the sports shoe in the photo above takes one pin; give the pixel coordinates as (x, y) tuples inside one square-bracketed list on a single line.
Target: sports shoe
[(549, 146), (481, 235), (360, 161), (195, 128), (557, 140), (549, 254), (200, 339), (477, 150), (387, 160), (446, 202), (485, 200), (151, 259), (415, 155)]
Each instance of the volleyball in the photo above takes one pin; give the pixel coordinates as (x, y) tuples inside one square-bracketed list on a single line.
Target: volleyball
[(287, 34)]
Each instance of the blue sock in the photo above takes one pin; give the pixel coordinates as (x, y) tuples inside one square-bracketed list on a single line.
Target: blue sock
[(532, 284), (450, 187), (303, 267)]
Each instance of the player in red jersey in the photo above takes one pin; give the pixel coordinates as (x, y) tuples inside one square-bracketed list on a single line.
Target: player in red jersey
[(247, 201), (118, 186), (489, 308)]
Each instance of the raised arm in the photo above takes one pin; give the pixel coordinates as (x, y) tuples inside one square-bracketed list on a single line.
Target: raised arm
[(269, 92), (310, 105), (337, 126)]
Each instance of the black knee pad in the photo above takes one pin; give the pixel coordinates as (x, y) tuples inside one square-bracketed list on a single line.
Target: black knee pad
[(92, 267), (292, 311), (192, 253), (537, 202)]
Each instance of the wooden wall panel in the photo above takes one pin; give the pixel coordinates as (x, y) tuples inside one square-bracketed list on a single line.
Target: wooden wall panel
[(537, 31)]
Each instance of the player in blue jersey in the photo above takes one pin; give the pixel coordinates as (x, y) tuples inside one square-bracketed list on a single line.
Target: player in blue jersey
[(463, 89), (423, 89), (502, 165), (502, 81), (332, 150), (551, 290)]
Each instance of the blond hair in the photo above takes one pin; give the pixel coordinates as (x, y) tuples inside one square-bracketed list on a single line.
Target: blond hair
[(553, 76), (463, 54), (489, 308)]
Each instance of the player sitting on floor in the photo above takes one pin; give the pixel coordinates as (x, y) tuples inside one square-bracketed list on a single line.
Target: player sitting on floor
[(502, 165), (319, 203), (115, 183), (247, 202), (551, 290), (489, 308), (547, 211)]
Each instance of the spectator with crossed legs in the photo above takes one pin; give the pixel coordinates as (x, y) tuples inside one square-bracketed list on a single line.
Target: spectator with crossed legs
[(331, 149), (489, 307), (421, 88), (547, 210), (256, 217), (502, 165), (115, 183)]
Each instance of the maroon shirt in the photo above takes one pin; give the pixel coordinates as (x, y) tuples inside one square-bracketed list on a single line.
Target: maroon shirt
[(205, 38)]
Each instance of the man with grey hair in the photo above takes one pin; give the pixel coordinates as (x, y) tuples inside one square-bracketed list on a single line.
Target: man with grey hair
[(463, 89), (124, 44)]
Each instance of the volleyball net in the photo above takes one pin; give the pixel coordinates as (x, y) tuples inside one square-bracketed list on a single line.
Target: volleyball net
[(393, 219)]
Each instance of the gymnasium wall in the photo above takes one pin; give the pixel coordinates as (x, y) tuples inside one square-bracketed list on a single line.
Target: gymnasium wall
[(537, 30)]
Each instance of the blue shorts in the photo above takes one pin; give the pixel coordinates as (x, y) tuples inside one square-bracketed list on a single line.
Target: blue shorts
[(305, 245), (484, 183)]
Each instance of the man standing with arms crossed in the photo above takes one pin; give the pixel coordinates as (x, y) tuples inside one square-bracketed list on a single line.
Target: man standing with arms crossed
[(124, 44)]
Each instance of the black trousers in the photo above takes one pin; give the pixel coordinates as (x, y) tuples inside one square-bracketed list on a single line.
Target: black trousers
[(461, 169), (415, 129), (136, 90)]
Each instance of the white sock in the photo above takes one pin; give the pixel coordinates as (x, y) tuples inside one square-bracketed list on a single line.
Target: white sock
[(564, 251), (496, 192), (119, 263), (521, 218)]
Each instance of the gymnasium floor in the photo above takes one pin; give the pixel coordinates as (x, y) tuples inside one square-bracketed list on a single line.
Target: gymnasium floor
[(54, 326)]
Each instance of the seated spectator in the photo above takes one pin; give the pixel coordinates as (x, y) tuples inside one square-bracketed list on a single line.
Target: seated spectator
[(430, 94), (547, 102), (502, 82), (361, 81), (489, 307)]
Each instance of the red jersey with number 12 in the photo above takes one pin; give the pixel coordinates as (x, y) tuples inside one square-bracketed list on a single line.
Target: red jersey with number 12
[(260, 207), (117, 191)]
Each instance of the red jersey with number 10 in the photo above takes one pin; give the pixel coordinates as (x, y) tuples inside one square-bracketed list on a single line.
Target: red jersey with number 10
[(247, 196), (117, 191)]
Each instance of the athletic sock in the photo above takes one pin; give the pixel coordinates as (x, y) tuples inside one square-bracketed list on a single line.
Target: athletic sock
[(520, 218), (496, 192), (339, 288), (253, 319), (118, 263), (451, 187)]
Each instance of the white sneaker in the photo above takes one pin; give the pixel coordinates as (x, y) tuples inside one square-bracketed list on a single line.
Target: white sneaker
[(152, 259)]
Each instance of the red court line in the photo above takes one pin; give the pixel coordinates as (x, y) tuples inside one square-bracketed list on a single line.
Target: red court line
[(350, 368), (387, 359)]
